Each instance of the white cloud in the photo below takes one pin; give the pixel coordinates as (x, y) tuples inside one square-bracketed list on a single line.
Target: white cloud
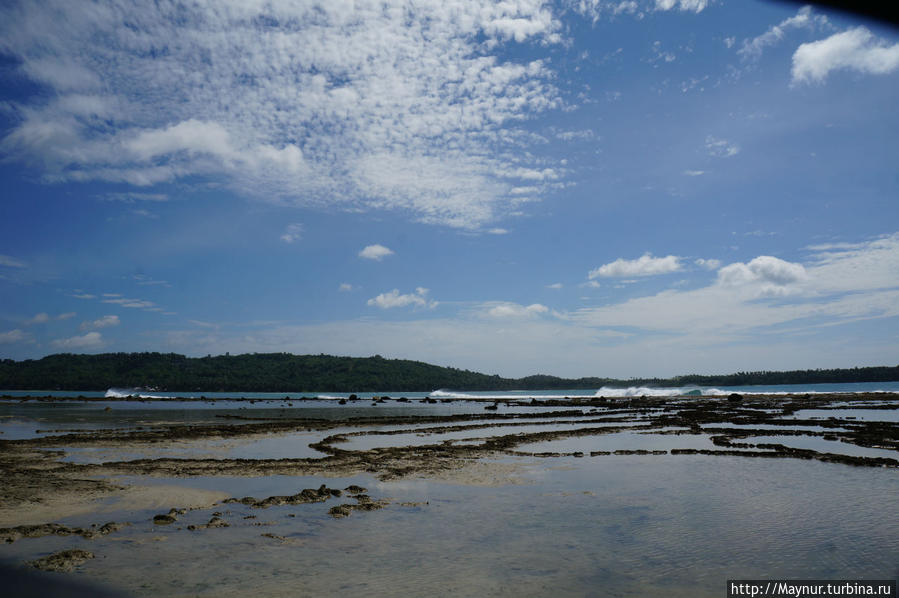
[(91, 340), (11, 262), (301, 103), (856, 49), (498, 231), (146, 281), (84, 296), (646, 265), (753, 48), (394, 299), (345, 287), (673, 332), (685, 5), (294, 232), (117, 299), (514, 310), (134, 196), (768, 276), (659, 54), (13, 336), (581, 134), (856, 267), (144, 213), (375, 252), (837, 286), (555, 285), (593, 284), (721, 148), (594, 9), (104, 322), (66, 316), (694, 172), (41, 318), (708, 264)]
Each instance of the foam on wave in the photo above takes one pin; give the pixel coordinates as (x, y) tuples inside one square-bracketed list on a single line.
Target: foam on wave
[(124, 393)]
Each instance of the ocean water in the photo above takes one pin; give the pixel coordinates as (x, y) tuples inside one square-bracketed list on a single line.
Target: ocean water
[(118, 393)]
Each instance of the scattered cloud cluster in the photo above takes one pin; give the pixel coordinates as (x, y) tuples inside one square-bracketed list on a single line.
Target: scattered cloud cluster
[(710, 264), (838, 284), (145, 281), (122, 301), (117, 299), (725, 322), (374, 105), (686, 5), (646, 265), (721, 148), (856, 49), (41, 318), (394, 299), (91, 340), (293, 232), (104, 322), (13, 336), (11, 262), (596, 9), (752, 49)]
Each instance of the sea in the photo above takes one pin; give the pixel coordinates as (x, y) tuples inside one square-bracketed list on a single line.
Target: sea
[(444, 393)]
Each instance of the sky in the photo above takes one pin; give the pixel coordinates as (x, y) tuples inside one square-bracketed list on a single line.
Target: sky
[(576, 188)]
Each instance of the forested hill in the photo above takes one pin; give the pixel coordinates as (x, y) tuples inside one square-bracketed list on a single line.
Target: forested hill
[(283, 372)]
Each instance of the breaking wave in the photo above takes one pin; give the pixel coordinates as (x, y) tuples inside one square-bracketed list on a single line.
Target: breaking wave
[(641, 391), (124, 393)]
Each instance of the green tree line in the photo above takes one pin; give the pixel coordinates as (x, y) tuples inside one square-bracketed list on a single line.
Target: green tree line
[(284, 372)]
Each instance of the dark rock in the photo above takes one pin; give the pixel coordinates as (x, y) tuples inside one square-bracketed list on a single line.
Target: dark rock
[(340, 511), (735, 397), (214, 522), (11, 534), (64, 561)]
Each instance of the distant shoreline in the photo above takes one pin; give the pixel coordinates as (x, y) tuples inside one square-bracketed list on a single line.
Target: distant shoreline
[(283, 372)]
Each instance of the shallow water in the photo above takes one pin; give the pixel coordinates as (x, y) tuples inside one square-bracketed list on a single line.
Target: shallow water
[(650, 441), (624, 525), (769, 427), (375, 440), (822, 445), (32, 419), (629, 526), (876, 415)]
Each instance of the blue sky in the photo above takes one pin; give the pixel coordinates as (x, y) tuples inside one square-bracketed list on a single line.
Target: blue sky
[(576, 188)]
